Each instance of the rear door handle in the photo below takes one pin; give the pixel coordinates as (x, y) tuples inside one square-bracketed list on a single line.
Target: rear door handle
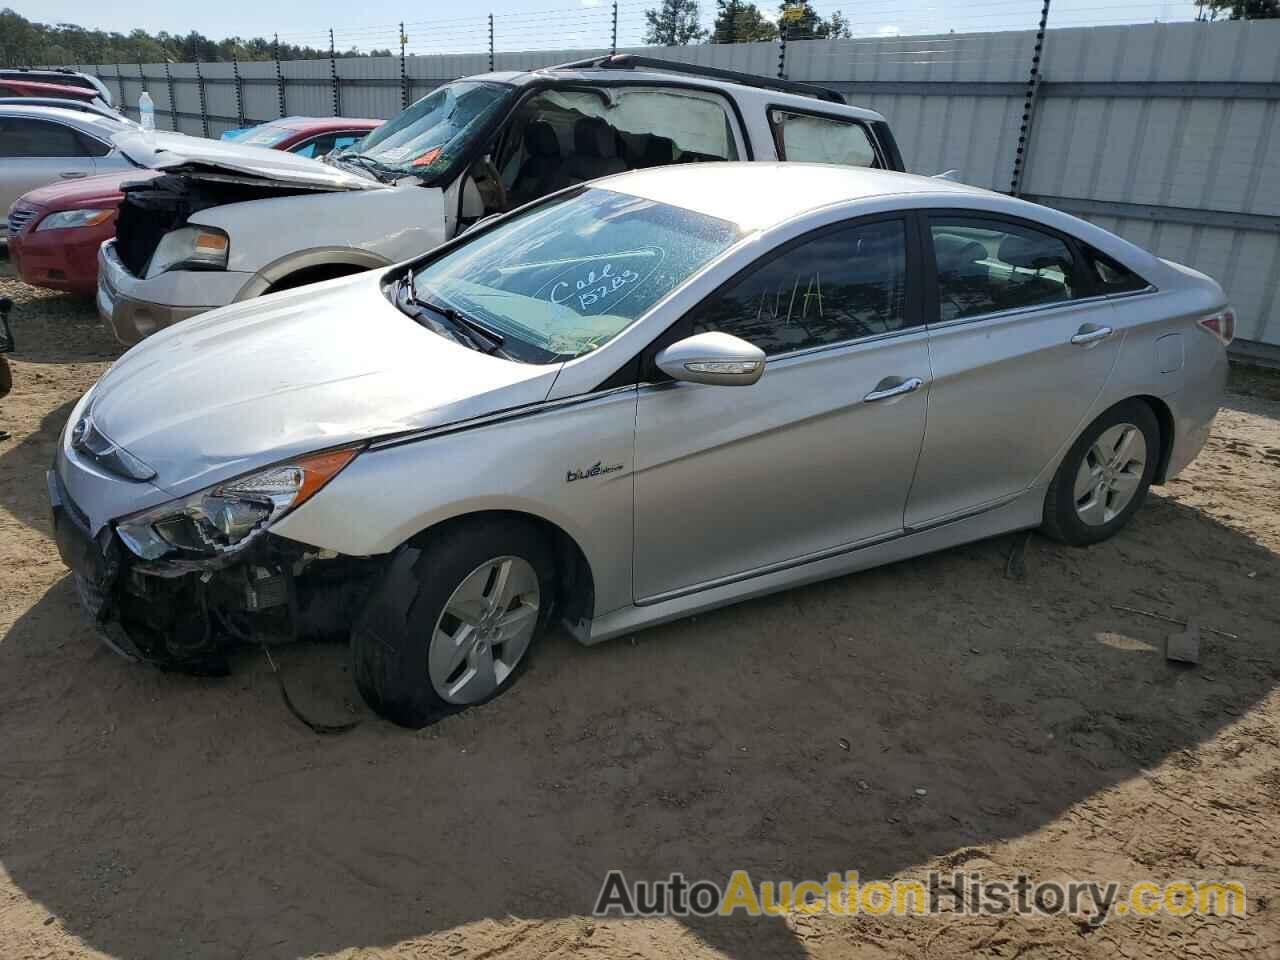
[(1090, 333), (72, 175), (910, 385)]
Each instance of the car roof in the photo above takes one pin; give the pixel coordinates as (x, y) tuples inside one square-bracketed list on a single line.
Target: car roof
[(776, 191), (320, 124), (601, 76), (89, 122), (781, 192)]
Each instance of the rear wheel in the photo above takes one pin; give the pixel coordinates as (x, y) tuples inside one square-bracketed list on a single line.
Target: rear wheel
[(452, 622), (1104, 477)]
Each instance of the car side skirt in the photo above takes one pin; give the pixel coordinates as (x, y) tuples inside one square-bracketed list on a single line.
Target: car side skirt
[(1024, 511)]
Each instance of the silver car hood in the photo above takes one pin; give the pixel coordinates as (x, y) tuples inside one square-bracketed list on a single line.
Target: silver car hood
[(180, 153), (255, 383)]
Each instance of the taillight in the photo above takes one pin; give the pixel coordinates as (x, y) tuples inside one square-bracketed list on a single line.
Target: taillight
[(1222, 325)]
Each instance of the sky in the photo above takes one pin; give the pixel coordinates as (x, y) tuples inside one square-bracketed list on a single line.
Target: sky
[(540, 24)]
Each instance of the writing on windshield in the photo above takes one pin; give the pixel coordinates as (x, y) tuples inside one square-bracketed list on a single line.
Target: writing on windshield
[(593, 285), (566, 276)]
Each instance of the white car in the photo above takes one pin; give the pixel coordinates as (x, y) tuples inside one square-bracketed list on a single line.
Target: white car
[(222, 229)]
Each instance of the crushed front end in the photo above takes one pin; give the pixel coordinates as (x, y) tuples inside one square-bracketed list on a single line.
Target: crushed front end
[(183, 582)]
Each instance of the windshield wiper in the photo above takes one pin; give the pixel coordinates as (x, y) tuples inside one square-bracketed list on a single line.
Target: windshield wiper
[(367, 163), (460, 326)]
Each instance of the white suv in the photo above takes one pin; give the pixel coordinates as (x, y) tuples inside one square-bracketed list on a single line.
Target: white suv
[(231, 224)]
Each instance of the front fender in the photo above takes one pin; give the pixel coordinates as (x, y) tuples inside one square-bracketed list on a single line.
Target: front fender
[(291, 263), (531, 463)]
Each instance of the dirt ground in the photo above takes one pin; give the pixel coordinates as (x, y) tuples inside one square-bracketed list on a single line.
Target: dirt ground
[(149, 815)]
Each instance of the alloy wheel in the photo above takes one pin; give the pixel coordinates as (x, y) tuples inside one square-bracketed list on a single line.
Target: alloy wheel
[(484, 630), (1110, 474)]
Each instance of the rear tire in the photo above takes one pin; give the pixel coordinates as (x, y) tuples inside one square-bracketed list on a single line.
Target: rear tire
[(1104, 478), (453, 621)]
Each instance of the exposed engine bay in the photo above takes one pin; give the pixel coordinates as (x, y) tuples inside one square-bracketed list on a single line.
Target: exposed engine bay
[(158, 206), (188, 619)]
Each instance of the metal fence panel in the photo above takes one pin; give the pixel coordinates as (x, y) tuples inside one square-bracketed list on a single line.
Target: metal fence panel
[(1167, 134)]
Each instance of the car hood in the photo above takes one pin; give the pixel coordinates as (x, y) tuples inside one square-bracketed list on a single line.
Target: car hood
[(177, 153), (325, 365), (105, 187)]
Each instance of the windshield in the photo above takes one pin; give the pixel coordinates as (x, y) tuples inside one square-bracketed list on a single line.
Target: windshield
[(425, 137), (567, 276)]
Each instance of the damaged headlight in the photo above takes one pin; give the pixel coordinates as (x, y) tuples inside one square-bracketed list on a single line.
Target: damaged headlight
[(199, 248), (226, 517)]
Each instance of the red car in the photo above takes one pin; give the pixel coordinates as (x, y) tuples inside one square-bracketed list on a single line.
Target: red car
[(55, 231), (34, 88)]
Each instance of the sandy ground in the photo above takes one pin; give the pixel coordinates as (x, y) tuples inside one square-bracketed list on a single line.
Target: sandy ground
[(148, 815)]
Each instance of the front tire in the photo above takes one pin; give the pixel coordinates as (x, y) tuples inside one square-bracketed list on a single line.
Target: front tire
[(1104, 478), (452, 622)]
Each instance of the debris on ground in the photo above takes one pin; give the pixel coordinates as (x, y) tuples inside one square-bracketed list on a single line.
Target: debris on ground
[(1167, 619), (1015, 567), (1184, 647)]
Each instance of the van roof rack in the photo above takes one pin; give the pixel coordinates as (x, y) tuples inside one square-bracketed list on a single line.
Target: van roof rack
[(629, 61)]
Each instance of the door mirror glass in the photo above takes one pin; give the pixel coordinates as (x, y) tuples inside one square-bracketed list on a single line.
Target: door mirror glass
[(713, 357)]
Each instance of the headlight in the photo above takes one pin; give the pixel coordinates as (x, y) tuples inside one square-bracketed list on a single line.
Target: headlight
[(225, 518), (89, 217), (201, 248)]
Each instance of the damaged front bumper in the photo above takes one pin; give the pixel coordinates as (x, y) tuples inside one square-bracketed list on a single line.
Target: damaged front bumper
[(189, 615), (134, 308)]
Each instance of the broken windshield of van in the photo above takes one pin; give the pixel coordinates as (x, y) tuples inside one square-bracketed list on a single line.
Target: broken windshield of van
[(435, 127)]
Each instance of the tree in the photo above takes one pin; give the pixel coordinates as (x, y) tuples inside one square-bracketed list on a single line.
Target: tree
[(1238, 9), (674, 24), (739, 22), (838, 27), (25, 43), (801, 22)]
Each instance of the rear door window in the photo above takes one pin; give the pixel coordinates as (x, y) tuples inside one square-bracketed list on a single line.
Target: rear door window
[(989, 265), (814, 139)]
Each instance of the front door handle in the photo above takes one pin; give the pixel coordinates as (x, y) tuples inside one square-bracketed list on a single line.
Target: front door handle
[(72, 175), (1090, 333), (881, 392)]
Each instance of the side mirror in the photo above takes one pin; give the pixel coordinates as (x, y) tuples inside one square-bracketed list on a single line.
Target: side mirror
[(717, 358)]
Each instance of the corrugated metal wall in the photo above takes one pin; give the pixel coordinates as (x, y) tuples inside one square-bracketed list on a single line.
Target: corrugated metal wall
[(1167, 134)]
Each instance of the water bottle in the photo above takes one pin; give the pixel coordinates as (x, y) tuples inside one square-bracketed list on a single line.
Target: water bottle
[(147, 114)]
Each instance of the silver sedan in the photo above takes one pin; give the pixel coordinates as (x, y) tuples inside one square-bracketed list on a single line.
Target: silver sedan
[(634, 400), (41, 145)]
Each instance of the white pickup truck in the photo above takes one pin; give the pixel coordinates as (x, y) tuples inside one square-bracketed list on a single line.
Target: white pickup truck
[(227, 223)]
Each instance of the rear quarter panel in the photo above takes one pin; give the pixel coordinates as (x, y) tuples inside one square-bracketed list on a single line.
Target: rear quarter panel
[(1156, 328)]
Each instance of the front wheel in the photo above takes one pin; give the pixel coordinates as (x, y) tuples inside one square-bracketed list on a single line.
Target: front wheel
[(452, 621), (1104, 477)]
